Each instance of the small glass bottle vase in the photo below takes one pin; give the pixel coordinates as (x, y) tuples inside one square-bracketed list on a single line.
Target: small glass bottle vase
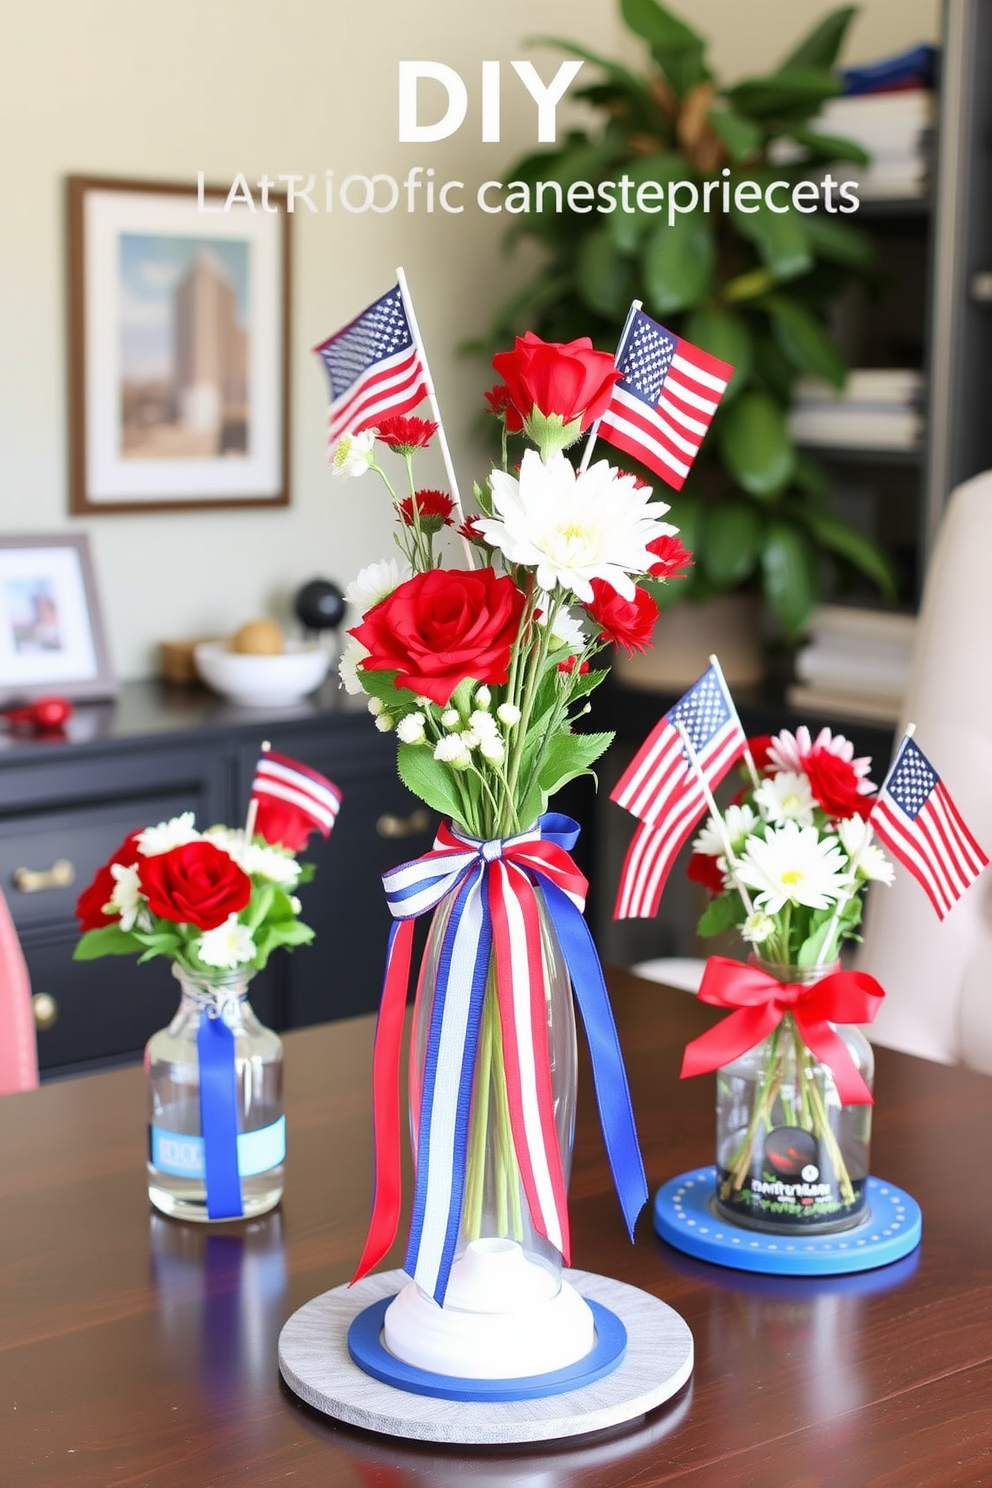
[(176, 1164), (508, 1311), (791, 1158)]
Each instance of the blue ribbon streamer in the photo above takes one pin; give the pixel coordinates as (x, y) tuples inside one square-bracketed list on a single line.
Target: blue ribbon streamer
[(219, 1117)]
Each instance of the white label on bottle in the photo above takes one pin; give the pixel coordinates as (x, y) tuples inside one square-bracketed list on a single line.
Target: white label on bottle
[(182, 1156)]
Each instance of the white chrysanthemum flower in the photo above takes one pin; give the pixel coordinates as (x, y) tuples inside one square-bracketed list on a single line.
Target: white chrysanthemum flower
[(255, 859), (374, 583), (509, 714), (483, 724), (757, 927), (483, 697), (740, 822), (566, 628), (451, 718), (375, 706), (855, 835), (353, 454), (227, 946), (493, 749), (794, 865), (786, 797), (470, 739), (353, 653), (573, 527), (787, 751), (449, 749), (167, 835), (410, 730), (127, 899), (384, 722)]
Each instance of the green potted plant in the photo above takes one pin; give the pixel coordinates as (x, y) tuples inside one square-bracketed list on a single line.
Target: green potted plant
[(750, 284)]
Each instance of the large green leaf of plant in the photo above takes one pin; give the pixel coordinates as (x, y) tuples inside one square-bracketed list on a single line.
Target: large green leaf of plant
[(606, 279), (829, 146), (839, 242), (731, 539), (726, 335), (678, 50), (780, 237), (790, 582), (821, 47), (804, 339), (678, 263), (755, 444), (838, 536), (794, 95), (741, 136), (628, 228)]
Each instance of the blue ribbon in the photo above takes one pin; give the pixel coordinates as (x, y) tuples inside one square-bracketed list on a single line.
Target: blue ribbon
[(219, 1116)]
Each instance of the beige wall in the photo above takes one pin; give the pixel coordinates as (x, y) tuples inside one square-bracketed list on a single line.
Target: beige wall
[(163, 88)]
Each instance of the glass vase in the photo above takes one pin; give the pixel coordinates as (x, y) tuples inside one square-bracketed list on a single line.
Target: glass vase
[(791, 1157), (176, 1168)]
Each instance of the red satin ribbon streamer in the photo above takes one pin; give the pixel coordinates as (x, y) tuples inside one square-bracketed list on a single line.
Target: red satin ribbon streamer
[(762, 1002)]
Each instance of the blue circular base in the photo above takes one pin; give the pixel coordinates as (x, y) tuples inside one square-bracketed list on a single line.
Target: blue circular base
[(368, 1351), (890, 1229)]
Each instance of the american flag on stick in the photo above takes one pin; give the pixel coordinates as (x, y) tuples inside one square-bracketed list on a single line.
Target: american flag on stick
[(374, 367), (920, 825), (665, 400), (289, 801), (661, 788)]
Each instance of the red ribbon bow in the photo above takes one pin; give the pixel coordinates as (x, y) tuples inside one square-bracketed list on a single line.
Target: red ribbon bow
[(762, 1003)]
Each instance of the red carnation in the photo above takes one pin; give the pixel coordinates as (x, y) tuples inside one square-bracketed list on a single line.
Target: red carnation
[(625, 622), (470, 531), (434, 509), (565, 378), (834, 783), (441, 627), (568, 665), (672, 555), (704, 869), (195, 884), (406, 434), (89, 906), (502, 405)]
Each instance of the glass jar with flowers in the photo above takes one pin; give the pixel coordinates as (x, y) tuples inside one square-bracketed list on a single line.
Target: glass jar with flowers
[(216, 904)]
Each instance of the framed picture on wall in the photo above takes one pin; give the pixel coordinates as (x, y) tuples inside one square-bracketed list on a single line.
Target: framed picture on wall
[(178, 348), (51, 630)]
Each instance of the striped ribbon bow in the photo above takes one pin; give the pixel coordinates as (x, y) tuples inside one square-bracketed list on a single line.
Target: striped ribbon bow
[(494, 909)]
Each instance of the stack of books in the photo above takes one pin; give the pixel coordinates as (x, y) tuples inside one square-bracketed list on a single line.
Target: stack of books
[(855, 663), (897, 131), (877, 409)]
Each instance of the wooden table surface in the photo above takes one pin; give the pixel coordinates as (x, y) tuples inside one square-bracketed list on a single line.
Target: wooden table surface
[(135, 1350)]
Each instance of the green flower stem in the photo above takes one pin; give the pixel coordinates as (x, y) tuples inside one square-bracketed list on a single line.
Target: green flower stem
[(533, 674), (761, 1115), (491, 1121), (508, 1177), (476, 1163)]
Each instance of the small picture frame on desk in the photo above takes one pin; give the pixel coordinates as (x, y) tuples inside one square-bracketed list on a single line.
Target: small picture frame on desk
[(178, 348), (51, 631)]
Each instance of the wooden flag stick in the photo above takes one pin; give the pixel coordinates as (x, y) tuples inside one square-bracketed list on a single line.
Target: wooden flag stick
[(748, 756), (449, 467), (594, 431), (252, 812), (717, 819)]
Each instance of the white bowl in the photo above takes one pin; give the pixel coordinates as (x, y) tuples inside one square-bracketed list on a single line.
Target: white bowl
[(262, 681)]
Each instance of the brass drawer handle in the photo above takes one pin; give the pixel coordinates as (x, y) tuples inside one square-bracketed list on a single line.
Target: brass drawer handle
[(45, 1009), (34, 880), (404, 826)]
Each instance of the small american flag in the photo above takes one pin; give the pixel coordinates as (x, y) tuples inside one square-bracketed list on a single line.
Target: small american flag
[(665, 400), (920, 825), (662, 789), (374, 367), (292, 800)]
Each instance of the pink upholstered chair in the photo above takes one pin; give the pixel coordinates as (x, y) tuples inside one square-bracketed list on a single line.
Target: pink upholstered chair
[(18, 1050)]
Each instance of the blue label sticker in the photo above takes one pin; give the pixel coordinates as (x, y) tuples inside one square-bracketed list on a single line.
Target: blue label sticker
[(182, 1155)]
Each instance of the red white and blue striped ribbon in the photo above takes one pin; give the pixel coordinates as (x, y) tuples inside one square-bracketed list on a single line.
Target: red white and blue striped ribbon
[(494, 910)]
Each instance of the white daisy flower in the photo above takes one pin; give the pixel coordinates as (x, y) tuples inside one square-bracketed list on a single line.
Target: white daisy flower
[(227, 946), (794, 865), (786, 797), (353, 653), (256, 859), (410, 730), (739, 821), (127, 899), (353, 454), (375, 583), (167, 835), (573, 527), (855, 835)]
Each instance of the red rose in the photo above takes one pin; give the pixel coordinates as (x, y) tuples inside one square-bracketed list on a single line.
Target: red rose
[(834, 783), (442, 626), (433, 507), (625, 622), (89, 906), (568, 378), (406, 434), (502, 405), (196, 884), (672, 555), (704, 869)]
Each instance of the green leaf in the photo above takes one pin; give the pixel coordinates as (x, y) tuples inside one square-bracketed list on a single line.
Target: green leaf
[(780, 237), (748, 286), (381, 684), (725, 335), (604, 278), (678, 263), (659, 27), (840, 243), (741, 136), (731, 537), (755, 444), (429, 779), (790, 582), (109, 940), (839, 537), (581, 684), (719, 915), (804, 339), (822, 45), (810, 950), (829, 146), (811, 477), (259, 905), (570, 755), (796, 94)]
